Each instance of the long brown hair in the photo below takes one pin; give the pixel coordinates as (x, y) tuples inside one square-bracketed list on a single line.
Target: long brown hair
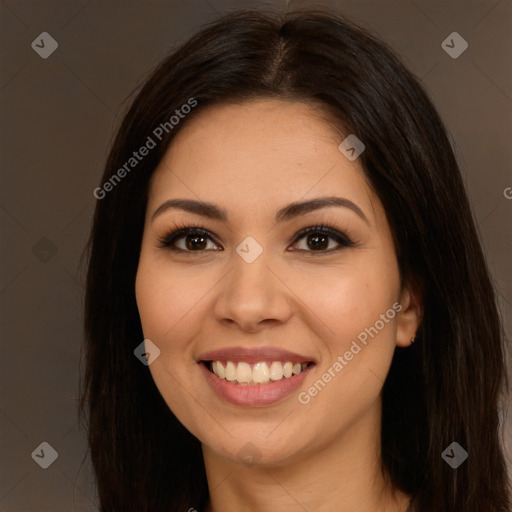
[(444, 388)]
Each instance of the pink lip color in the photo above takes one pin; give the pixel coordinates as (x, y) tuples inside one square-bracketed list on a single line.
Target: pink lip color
[(254, 355), (254, 396)]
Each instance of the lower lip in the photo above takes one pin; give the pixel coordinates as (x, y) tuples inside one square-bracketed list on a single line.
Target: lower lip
[(254, 396)]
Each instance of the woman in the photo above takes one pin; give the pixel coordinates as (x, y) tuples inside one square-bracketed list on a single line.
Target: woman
[(287, 303)]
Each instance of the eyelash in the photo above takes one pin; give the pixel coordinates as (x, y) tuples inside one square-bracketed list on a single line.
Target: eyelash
[(182, 230)]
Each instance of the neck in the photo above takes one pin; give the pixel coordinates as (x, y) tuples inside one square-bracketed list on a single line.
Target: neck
[(344, 476)]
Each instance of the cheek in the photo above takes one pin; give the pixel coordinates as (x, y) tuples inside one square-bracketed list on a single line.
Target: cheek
[(360, 310), (159, 302), (169, 302), (164, 295), (347, 301)]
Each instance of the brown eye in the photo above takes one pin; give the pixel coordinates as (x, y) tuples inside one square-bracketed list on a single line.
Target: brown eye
[(316, 242), (317, 239), (195, 240)]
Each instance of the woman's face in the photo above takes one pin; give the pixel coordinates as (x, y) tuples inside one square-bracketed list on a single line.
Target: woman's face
[(256, 300)]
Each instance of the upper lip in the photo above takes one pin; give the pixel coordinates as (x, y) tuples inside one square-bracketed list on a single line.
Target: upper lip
[(254, 355)]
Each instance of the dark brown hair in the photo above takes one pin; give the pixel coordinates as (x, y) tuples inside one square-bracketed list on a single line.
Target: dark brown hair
[(444, 388)]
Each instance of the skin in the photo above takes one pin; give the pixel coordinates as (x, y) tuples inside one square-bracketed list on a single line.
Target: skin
[(252, 159)]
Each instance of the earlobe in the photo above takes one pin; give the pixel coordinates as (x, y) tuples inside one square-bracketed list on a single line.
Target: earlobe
[(409, 318)]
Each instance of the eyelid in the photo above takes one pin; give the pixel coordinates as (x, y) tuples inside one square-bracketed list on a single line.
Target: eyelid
[(339, 236), (182, 230)]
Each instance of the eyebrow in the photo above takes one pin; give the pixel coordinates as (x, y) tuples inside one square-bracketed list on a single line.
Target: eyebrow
[(289, 212)]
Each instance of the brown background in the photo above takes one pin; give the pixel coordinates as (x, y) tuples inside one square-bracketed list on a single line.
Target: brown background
[(58, 115)]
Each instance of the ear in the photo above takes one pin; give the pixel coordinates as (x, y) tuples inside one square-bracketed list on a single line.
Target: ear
[(411, 314)]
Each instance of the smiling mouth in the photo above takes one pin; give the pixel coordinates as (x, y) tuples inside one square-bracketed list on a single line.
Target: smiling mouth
[(261, 373)]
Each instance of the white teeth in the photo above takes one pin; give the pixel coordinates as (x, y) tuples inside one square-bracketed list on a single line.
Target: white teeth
[(276, 370), (287, 370), (260, 373), (220, 369), (230, 371), (243, 372)]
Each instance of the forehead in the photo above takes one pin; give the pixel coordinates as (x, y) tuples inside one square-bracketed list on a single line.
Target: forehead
[(258, 153)]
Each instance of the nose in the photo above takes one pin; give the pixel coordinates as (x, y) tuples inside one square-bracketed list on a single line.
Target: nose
[(253, 296)]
